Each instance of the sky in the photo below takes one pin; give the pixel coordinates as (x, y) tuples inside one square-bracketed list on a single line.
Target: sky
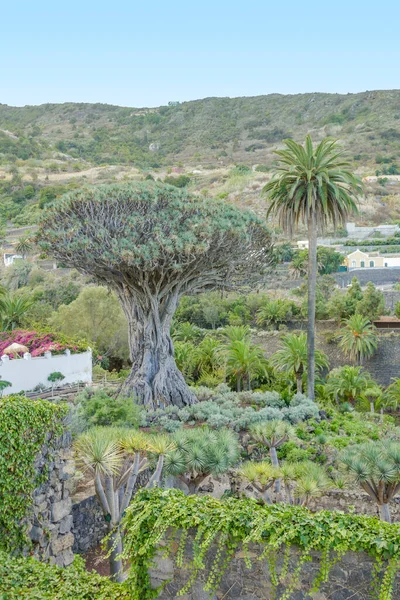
[(138, 54)]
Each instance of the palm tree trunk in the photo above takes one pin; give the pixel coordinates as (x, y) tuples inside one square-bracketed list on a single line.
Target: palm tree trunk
[(299, 382), (384, 512), (312, 282)]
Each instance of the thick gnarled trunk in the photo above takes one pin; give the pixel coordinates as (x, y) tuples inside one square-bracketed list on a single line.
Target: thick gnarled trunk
[(155, 381)]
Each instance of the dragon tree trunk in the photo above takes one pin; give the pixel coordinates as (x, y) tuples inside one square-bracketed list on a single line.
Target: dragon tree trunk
[(154, 381)]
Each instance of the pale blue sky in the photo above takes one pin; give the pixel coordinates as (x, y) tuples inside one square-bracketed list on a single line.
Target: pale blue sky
[(147, 53)]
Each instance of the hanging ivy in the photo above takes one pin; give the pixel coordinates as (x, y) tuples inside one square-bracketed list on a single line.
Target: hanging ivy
[(232, 524), (25, 425)]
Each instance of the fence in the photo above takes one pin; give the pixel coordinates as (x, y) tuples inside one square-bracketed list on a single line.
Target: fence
[(27, 373)]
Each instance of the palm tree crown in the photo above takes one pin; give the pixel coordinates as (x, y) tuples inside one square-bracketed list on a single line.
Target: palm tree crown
[(358, 339)]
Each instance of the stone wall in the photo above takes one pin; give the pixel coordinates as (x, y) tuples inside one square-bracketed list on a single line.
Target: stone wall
[(350, 578), (89, 526), (383, 366), (51, 521)]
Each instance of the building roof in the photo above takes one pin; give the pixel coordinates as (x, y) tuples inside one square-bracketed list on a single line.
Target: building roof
[(385, 319)]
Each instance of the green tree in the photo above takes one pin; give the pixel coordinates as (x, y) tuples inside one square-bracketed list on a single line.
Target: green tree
[(200, 453), (292, 357), (313, 186), (261, 475), (391, 395), (152, 244), (347, 384), (275, 312), (55, 378), (272, 434), (358, 338), (375, 466), (372, 304), (96, 316), (244, 362), (114, 458)]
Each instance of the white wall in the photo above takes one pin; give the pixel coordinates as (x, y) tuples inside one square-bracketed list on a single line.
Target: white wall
[(26, 373)]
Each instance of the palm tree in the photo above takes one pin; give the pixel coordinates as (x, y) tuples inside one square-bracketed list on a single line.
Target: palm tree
[(312, 187), (244, 361), (186, 332), (376, 468), (200, 453), (275, 312), (347, 384), (358, 338), (114, 458), (272, 434), (236, 333), (391, 396), (13, 309), (293, 357)]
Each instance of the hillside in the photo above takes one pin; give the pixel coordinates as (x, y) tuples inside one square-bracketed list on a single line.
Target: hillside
[(45, 150), (235, 129)]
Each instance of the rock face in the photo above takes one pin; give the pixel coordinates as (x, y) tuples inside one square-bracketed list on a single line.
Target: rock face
[(51, 521), (351, 578)]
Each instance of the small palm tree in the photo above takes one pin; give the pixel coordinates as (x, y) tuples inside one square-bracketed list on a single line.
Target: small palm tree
[(358, 338), (13, 309), (274, 312), (236, 333), (200, 453), (347, 384), (185, 358), (272, 434), (186, 332), (261, 475), (312, 187), (371, 397), (292, 357), (208, 355), (244, 361), (55, 378), (391, 396), (24, 246), (311, 481), (375, 466), (115, 457)]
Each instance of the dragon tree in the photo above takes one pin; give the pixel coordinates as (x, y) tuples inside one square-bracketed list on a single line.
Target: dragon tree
[(152, 243)]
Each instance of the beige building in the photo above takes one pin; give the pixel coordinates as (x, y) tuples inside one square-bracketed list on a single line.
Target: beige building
[(370, 260)]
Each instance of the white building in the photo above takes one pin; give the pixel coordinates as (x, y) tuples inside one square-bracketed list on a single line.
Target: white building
[(10, 258), (370, 260)]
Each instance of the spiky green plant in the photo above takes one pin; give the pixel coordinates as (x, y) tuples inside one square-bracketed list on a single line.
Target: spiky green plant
[(272, 434), (12, 310), (115, 457), (375, 466), (261, 475), (201, 452), (312, 187), (236, 333), (358, 338)]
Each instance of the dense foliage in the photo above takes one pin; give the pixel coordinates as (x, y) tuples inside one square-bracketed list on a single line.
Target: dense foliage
[(233, 524), (24, 427), (29, 578)]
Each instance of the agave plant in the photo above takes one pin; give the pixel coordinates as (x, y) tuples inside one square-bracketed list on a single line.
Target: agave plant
[(115, 457), (200, 453), (261, 475), (375, 466), (272, 434)]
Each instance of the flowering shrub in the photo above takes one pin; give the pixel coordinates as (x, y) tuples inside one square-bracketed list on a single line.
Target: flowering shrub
[(39, 343)]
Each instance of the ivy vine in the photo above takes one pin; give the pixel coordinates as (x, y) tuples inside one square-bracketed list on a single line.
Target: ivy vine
[(25, 425), (232, 524)]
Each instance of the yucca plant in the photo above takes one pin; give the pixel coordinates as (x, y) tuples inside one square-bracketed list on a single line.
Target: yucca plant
[(200, 453), (115, 457), (272, 434), (375, 466), (261, 475), (311, 482), (358, 338)]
